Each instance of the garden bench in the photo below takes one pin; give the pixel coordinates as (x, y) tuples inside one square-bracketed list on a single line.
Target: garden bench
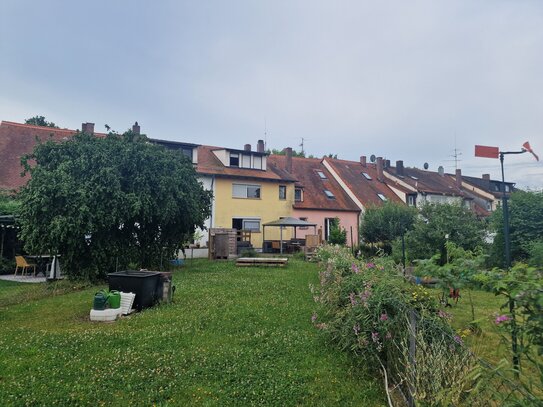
[(261, 261)]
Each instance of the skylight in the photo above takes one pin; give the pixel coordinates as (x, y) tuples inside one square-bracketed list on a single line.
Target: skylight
[(322, 175), (415, 178), (366, 175), (329, 194), (382, 197)]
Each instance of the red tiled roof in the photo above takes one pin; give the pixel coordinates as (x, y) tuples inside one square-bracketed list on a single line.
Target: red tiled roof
[(305, 171), (351, 172), (427, 182), (16, 140), (209, 164)]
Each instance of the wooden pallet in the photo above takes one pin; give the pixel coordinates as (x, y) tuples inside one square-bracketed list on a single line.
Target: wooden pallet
[(261, 262)]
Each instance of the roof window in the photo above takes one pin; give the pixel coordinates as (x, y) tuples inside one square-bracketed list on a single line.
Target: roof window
[(367, 176), (415, 178), (322, 175), (329, 194), (382, 197)]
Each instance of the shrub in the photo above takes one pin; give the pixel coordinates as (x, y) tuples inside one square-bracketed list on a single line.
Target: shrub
[(365, 307), (7, 266)]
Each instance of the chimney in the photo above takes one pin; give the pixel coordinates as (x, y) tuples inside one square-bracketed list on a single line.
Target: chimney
[(387, 163), (87, 128), (459, 178), (136, 128), (288, 161), (260, 146), (441, 171), (399, 168), (380, 174), (486, 177), (247, 147), (363, 160)]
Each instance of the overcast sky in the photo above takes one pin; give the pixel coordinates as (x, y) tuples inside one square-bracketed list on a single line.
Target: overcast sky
[(406, 80)]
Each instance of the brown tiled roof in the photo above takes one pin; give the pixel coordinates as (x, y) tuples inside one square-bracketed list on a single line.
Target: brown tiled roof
[(351, 172), (209, 164), (427, 182), (305, 171), (18, 139)]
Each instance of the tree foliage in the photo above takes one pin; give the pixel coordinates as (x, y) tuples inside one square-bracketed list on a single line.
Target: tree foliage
[(438, 223), (9, 204), (525, 225), (40, 121), (107, 202), (384, 224), (338, 235)]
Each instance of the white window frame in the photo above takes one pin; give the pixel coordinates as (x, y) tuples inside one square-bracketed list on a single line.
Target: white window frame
[(237, 191)]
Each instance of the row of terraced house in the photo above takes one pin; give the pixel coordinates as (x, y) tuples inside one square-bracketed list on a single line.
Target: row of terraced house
[(251, 187)]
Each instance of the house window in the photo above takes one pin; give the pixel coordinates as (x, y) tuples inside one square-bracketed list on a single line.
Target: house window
[(252, 224), (234, 160), (329, 224), (257, 162), (322, 175), (367, 176), (282, 192), (246, 161), (303, 227), (412, 200), (245, 191), (329, 194), (488, 205), (187, 152), (298, 195), (507, 188), (382, 197)]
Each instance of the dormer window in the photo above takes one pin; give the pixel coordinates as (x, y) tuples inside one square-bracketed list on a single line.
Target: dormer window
[(329, 194), (322, 175), (382, 197), (298, 194), (234, 160), (367, 176)]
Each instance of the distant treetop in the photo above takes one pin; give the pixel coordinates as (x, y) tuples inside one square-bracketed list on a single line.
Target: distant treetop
[(40, 121)]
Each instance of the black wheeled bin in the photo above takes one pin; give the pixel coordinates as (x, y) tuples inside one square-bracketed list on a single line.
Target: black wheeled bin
[(142, 283)]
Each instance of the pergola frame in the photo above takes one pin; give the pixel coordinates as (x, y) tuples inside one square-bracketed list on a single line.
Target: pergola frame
[(286, 222)]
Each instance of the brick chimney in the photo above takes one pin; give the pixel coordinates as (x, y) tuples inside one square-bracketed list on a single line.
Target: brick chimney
[(399, 168), (363, 160), (288, 160), (247, 147), (387, 163), (260, 146), (136, 128), (459, 178), (379, 166), (87, 128)]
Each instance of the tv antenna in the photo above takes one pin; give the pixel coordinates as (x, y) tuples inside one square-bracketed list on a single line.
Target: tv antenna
[(302, 145), (456, 155)]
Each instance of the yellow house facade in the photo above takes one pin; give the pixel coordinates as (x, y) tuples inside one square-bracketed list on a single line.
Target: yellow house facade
[(247, 193)]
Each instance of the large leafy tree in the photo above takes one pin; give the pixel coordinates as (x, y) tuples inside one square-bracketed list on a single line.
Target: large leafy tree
[(526, 226), (439, 223), (108, 202), (40, 121), (384, 224)]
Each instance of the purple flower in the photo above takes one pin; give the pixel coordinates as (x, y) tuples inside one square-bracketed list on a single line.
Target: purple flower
[(501, 318), (355, 269), (370, 265), (356, 329), (313, 317), (353, 299), (375, 336), (383, 317), (458, 340)]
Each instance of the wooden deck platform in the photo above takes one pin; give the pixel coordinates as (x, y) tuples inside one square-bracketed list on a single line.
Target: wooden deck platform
[(261, 261)]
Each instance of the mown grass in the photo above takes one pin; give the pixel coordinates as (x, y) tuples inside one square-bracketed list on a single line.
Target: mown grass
[(233, 336)]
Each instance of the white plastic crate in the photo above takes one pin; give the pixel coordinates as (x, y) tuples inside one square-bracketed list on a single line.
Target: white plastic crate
[(127, 300)]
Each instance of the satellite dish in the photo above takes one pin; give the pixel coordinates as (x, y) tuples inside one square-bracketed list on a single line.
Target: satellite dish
[(372, 158), (426, 166)]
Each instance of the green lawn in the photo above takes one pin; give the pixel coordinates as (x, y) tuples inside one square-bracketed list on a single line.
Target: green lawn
[(233, 336)]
